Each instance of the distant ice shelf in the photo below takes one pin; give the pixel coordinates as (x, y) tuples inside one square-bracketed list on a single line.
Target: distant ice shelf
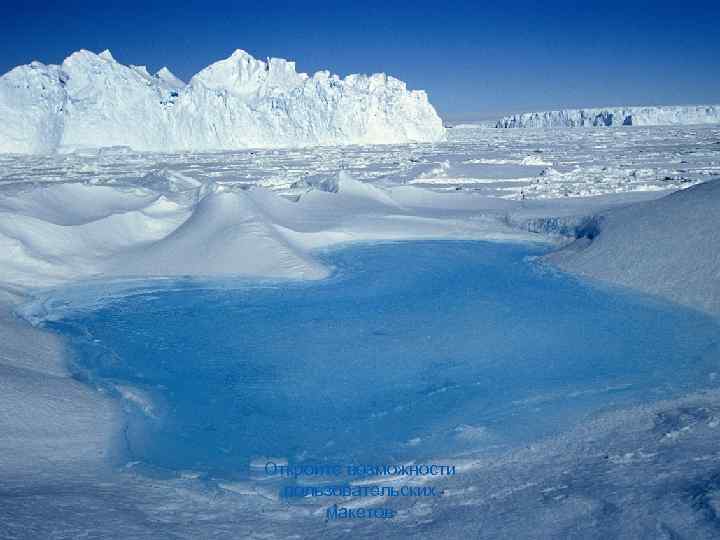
[(615, 116), (91, 100)]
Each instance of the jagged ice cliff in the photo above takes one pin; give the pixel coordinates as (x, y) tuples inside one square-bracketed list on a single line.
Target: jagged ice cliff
[(615, 116), (91, 100)]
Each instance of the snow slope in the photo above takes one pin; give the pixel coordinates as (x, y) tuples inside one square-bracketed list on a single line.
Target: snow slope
[(92, 100), (668, 247), (226, 233), (49, 420), (615, 116)]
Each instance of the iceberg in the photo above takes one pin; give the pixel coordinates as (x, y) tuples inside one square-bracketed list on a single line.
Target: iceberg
[(615, 116), (91, 101)]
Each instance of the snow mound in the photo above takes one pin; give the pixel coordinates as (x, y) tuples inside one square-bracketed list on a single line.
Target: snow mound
[(227, 233), (92, 100), (668, 247), (615, 116), (350, 192), (74, 204), (166, 223)]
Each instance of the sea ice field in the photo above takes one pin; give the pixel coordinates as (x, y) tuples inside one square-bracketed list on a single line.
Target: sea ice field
[(170, 322), (543, 163)]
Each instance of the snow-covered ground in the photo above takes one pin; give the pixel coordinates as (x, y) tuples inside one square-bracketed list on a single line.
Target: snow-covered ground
[(115, 213), (49, 420)]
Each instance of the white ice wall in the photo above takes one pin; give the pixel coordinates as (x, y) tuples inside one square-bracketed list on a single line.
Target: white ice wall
[(615, 116), (240, 102)]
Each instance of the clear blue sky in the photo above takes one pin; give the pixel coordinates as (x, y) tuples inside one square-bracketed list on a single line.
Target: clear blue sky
[(474, 58)]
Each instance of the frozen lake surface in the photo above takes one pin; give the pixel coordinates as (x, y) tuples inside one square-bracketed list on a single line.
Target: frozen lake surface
[(410, 351)]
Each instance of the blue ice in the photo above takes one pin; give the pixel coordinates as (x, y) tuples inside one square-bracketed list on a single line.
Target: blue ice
[(411, 350)]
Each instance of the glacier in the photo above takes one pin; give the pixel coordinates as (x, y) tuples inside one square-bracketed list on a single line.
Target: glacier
[(91, 101), (615, 116)]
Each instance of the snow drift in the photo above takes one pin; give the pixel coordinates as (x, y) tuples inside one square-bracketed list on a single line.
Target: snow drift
[(165, 224), (669, 247), (49, 420), (615, 116), (92, 100), (226, 232)]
